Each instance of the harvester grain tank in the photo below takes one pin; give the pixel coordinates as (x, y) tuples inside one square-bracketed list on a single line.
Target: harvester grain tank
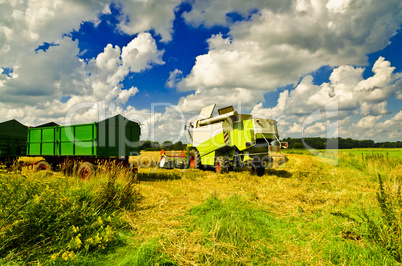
[(232, 140)]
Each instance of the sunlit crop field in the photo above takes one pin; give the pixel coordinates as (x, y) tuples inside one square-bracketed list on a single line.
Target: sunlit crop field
[(391, 152), (309, 211)]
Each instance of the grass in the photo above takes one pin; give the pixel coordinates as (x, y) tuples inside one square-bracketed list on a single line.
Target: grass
[(50, 218), (392, 153), (307, 212)]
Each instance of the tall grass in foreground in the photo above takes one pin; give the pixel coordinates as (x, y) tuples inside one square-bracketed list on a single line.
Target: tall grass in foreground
[(386, 228), (382, 223), (50, 218)]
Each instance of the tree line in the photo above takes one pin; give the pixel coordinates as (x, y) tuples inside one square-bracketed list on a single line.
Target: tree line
[(147, 145), (338, 143), (293, 143)]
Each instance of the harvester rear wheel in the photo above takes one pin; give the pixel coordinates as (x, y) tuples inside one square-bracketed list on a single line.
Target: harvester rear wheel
[(221, 165), (86, 170), (42, 165), (194, 159)]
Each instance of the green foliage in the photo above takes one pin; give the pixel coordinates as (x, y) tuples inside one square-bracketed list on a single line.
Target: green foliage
[(385, 228), (52, 218), (381, 223), (235, 230), (148, 145), (146, 254)]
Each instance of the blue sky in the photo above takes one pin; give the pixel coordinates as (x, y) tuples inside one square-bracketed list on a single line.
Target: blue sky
[(160, 62)]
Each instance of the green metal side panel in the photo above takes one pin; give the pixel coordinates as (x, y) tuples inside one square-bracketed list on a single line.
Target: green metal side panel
[(208, 159), (243, 132), (35, 135), (114, 137), (78, 140), (74, 140), (13, 137), (266, 135), (34, 148), (42, 141), (49, 137)]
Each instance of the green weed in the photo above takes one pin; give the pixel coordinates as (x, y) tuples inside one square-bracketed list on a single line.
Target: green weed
[(146, 254), (51, 218), (235, 231), (384, 226), (380, 223)]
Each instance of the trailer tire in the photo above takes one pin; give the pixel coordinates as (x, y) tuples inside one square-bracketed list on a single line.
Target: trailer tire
[(86, 170), (194, 159), (221, 165), (42, 165)]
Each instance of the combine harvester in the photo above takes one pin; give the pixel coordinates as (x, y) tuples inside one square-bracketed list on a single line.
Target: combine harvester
[(228, 141)]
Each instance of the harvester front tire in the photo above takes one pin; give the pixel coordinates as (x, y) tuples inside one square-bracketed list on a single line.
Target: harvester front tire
[(86, 170), (42, 165), (260, 171), (194, 159), (221, 165)]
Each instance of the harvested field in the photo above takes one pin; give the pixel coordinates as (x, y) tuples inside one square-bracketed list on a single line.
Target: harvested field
[(308, 211)]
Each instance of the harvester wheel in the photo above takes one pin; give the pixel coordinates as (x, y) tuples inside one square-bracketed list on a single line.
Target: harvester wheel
[(42, 165), (260, 171), (221, 165), (194, 159), (86, 170)]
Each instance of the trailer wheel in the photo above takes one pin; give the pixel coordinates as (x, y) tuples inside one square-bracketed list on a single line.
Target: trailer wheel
[(221, 165), (86, 170), (194, 159), (42, 165)]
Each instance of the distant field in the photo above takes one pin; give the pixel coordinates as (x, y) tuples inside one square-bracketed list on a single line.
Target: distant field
[(146, 159), (395, 152), (392, 152), (150, 158)]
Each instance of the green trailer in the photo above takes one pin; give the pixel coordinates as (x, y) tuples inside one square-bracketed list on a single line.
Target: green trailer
[(13, 138), (86, 145)]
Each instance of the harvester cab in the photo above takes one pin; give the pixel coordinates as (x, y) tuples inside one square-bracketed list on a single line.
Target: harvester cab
[(230, 140)]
